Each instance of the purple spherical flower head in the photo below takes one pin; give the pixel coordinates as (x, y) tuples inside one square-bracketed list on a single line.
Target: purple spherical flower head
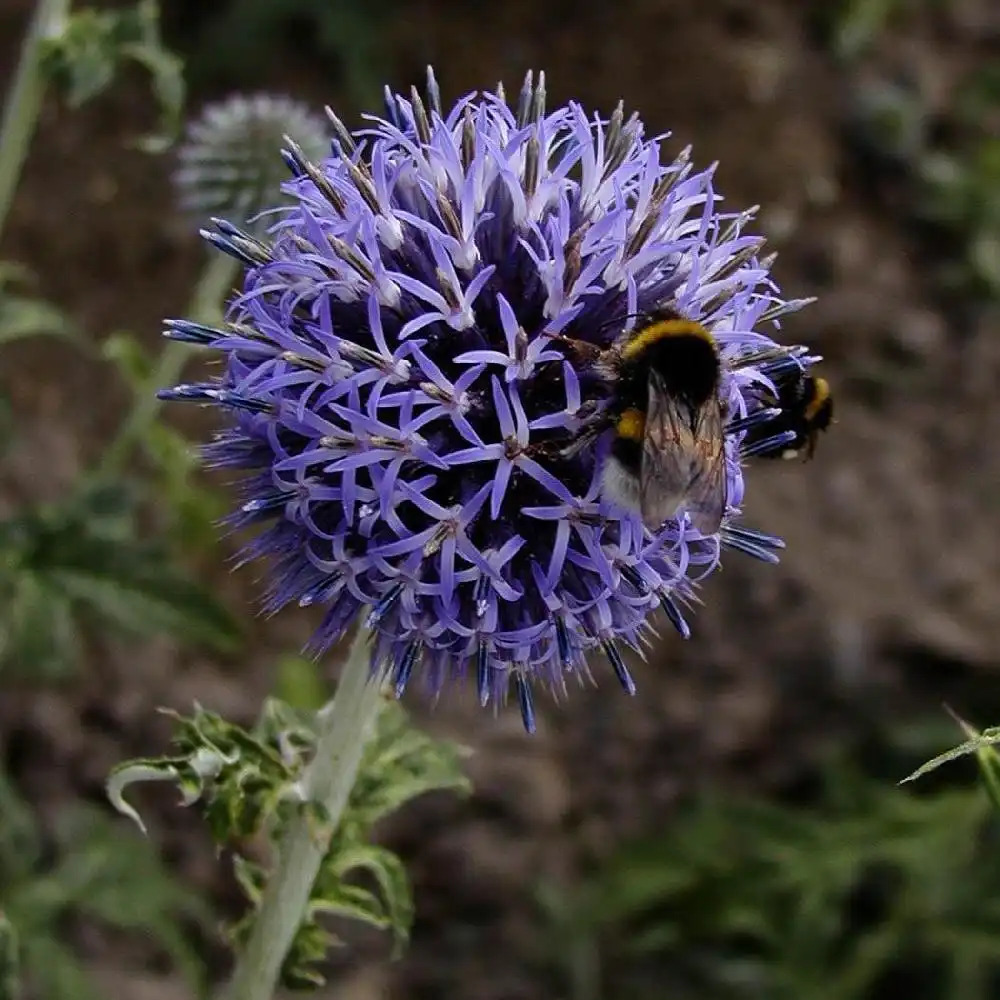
[(404, 395)]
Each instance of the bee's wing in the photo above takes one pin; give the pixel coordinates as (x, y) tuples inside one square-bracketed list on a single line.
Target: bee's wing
[(683, 461), (667, 447), (707, 494)]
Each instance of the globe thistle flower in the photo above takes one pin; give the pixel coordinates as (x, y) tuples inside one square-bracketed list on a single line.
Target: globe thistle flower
[(227, 163), (420, 438)]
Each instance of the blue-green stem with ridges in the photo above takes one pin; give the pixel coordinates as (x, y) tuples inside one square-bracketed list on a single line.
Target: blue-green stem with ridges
[(24, 102), (344, 727)]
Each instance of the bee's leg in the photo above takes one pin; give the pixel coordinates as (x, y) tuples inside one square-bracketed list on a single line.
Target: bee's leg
[(763, 356), (583, 352), (586, 437)]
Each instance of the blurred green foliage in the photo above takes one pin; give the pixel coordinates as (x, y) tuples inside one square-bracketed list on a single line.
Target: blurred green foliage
[(23, 316), (189, 511), (867, 892), (239, 37), (85, 57), (300, 684), (946, 163), (959, 186), (853, 27), (95, 560), (85, 867), (86, 560), (248, 783)]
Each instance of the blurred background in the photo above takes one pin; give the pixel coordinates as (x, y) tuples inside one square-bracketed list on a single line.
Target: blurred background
[(734, 831)]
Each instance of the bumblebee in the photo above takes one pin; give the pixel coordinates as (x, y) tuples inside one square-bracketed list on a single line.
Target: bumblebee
[(806, 406), (668, 448)]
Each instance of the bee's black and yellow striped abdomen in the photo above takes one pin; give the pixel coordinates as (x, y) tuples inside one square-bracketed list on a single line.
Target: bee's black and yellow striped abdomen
[(819, 404), (806, 404), (630, 428), (631, 425)]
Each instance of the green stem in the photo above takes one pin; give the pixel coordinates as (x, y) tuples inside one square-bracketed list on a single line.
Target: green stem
[(20, 113), (345, 725), (205, 307)]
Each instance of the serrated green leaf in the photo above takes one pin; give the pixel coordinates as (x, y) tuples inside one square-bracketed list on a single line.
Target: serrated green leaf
[(136, 771), (255, 785), (237, 780), (391, 908)]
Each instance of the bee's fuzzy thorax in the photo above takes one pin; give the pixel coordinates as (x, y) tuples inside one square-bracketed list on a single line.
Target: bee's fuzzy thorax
[(659, 330), (681, 353)]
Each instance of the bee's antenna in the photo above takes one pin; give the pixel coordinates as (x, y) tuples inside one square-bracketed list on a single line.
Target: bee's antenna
[(614, 321), (620, 320)]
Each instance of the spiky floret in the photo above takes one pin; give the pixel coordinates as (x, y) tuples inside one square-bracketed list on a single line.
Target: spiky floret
[(409, 420), (227, 165)]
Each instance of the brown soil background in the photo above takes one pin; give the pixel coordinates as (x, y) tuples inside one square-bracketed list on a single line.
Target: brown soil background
[(885, 601)]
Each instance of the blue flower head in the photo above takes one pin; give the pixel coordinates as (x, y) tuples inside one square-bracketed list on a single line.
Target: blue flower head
[(421, 439)]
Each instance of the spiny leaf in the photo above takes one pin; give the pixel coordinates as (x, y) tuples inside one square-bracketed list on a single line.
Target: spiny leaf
[(237, 779), (980, 744), (134, 771), (391, 908), (248, 783)]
